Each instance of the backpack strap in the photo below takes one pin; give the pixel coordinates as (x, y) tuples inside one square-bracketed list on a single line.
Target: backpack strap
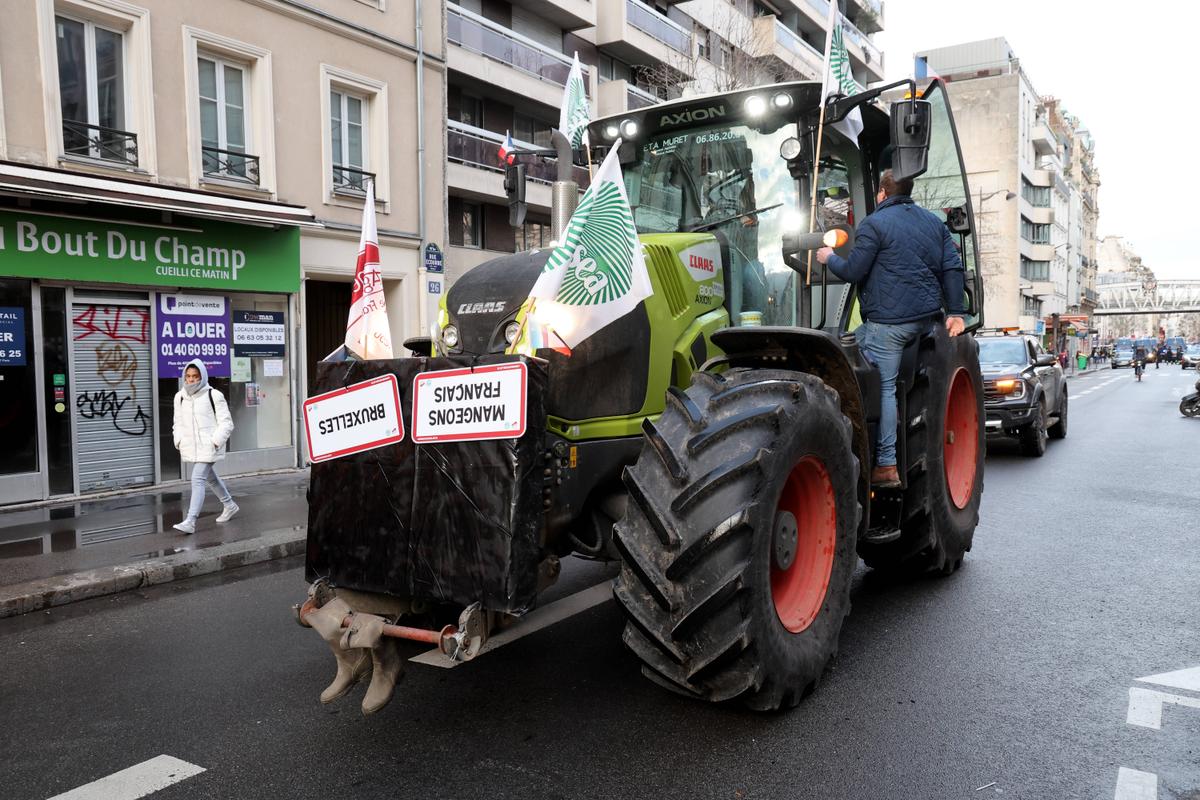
[(212, 402)]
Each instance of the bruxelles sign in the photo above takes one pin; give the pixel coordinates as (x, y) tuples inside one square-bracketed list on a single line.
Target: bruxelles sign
[(218, 256)]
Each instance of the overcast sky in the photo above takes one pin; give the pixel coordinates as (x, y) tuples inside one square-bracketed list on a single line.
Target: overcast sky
[(1127, 70)]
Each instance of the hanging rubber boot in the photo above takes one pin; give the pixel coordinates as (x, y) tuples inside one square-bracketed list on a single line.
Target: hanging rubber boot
[(387, 667), (352, 665), (367, 631)]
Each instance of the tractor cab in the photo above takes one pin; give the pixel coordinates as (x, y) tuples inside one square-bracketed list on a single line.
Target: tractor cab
[(739, 166)]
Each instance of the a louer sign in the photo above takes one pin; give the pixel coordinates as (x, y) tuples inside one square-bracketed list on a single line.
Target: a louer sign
[(220, 256)]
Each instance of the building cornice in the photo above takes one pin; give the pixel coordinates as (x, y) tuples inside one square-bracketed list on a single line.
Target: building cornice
[(351, 30)]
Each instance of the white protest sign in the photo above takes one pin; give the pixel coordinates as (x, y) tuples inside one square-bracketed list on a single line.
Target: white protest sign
[(359, 417), (458, 405)]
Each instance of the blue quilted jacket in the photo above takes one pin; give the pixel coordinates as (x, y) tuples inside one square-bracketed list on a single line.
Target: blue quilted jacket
[(905, 264)]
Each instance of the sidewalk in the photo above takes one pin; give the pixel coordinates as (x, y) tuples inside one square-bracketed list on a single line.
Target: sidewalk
[(87, 548)]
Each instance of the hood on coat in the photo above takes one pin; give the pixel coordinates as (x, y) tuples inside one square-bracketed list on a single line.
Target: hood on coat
[(198, 364)]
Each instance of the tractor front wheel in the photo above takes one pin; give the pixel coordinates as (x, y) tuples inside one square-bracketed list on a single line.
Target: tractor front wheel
[(738, 541)]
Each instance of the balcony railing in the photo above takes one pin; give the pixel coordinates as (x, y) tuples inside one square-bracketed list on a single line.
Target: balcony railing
[(639, 98), (473, 32), (793, 43), (97, 141), (229, 165), (656, 26), (479, 148), (350, 179), (1090, 296), (871, 52)]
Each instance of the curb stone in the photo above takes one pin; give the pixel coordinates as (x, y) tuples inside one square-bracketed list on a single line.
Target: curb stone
[(47, 593)]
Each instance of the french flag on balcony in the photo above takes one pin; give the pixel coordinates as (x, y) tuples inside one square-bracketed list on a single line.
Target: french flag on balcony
[(508, 149)]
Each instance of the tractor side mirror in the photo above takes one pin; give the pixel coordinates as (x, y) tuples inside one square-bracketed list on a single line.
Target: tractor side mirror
[(911, 129), (514, 188)]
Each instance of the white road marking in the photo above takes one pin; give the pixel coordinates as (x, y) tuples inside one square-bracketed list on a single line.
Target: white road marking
[(137, 781), (532, 622), (1145, 706), (1135, 785), (1187, 679)]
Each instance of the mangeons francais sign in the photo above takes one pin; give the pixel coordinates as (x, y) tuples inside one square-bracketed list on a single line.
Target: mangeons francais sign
[(457, 405), (203, 255)]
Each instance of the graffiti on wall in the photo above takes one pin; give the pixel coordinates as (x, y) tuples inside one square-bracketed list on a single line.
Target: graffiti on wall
[(109, 330)]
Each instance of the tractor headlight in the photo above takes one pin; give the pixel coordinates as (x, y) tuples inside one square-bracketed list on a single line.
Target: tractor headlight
[(450, 337), (781, 100), (790, 149), (755, 105), (629, 128), (511, 331), (611, 131)]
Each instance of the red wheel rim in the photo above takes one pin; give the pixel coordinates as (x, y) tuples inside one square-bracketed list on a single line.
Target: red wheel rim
[(799, 591), (961, 445)]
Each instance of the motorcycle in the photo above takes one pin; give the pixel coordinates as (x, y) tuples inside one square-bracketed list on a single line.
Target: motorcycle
[(1137, 369), (1189, 406)]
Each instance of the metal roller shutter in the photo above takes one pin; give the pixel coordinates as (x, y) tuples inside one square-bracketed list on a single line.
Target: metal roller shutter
[(113, 399)]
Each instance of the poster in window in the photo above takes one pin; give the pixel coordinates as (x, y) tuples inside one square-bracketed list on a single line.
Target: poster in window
[(259, 334)]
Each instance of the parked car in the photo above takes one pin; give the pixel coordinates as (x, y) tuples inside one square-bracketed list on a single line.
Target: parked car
[(1191, 357), (1024, 391)]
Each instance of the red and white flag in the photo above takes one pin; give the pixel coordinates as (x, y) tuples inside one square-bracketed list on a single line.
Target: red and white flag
[(368, 335)]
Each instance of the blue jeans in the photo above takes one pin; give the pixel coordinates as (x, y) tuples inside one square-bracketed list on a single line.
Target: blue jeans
[(882, 344), (202, 473)]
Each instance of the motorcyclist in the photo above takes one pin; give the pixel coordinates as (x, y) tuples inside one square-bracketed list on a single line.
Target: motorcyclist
[(1139, 361)]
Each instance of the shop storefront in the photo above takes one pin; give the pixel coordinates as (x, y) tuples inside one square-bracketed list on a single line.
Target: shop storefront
[(97, 319)]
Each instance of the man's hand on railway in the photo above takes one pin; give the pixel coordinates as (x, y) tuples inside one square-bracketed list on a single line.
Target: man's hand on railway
[(955, 325), (824, 253)]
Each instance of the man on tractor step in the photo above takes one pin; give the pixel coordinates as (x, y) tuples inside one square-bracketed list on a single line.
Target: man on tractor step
[(907, 268)]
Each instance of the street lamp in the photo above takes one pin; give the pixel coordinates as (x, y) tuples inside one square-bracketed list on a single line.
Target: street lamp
[(1008, 195)]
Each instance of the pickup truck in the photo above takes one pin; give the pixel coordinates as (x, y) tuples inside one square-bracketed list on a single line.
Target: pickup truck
[(1024, 391)]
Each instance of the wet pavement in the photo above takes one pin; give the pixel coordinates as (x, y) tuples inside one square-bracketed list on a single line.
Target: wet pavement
[(130, 529)]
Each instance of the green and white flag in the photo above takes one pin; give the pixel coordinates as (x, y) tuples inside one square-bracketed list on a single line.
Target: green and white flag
[(838, 78), (598, 274), (574, 116)]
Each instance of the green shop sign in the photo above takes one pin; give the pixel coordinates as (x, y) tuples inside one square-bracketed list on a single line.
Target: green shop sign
[(219, 256)]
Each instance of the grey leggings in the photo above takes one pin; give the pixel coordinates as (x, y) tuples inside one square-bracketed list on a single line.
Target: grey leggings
[(203, 472)]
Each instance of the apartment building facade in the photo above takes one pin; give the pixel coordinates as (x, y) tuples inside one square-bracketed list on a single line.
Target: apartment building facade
[(508, 63), (184, 180), (1034, 185)]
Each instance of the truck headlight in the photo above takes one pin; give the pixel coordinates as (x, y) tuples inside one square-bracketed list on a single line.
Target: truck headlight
[(511, 331)]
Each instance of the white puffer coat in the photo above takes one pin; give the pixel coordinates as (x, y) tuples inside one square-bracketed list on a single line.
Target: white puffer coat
[(203, 423)]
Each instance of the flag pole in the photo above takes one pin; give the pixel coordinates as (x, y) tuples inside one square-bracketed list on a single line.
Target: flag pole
[(812, 216)]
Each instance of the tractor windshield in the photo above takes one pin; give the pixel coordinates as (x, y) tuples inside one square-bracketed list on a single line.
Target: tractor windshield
[(728, 180)]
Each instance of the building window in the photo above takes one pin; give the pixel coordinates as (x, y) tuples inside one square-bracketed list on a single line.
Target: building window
[(1038, 196), (533, 235), (1035, 233), (1035, 270), (465, 223), (347, 134), (528, 129), (224, 121), (91, 86), (470, 111), (1031, 306)]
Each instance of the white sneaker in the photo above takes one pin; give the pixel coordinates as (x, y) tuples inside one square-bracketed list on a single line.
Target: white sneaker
[(185, 526), (231, 508)]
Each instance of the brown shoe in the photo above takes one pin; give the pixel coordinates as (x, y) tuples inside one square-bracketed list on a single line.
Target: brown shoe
[(885, 477)]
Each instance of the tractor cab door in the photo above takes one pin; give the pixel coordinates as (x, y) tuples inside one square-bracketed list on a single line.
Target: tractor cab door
[(943, 189)]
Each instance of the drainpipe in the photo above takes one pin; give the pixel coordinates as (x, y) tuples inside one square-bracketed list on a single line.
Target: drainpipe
[(423, 312)]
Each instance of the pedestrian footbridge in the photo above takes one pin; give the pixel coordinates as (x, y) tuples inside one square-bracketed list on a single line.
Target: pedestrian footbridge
[(1149, 297)]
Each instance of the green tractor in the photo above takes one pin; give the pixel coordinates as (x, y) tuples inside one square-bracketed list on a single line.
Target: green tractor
[(717, 441)]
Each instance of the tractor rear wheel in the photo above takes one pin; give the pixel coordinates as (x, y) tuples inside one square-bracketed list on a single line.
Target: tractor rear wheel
[(738, 541), (944, 460)]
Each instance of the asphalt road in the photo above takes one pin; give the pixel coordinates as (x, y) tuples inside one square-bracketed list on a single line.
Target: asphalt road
[(1010, 679)]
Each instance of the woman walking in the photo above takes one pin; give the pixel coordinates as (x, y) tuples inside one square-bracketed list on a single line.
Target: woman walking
[(202, 427)]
